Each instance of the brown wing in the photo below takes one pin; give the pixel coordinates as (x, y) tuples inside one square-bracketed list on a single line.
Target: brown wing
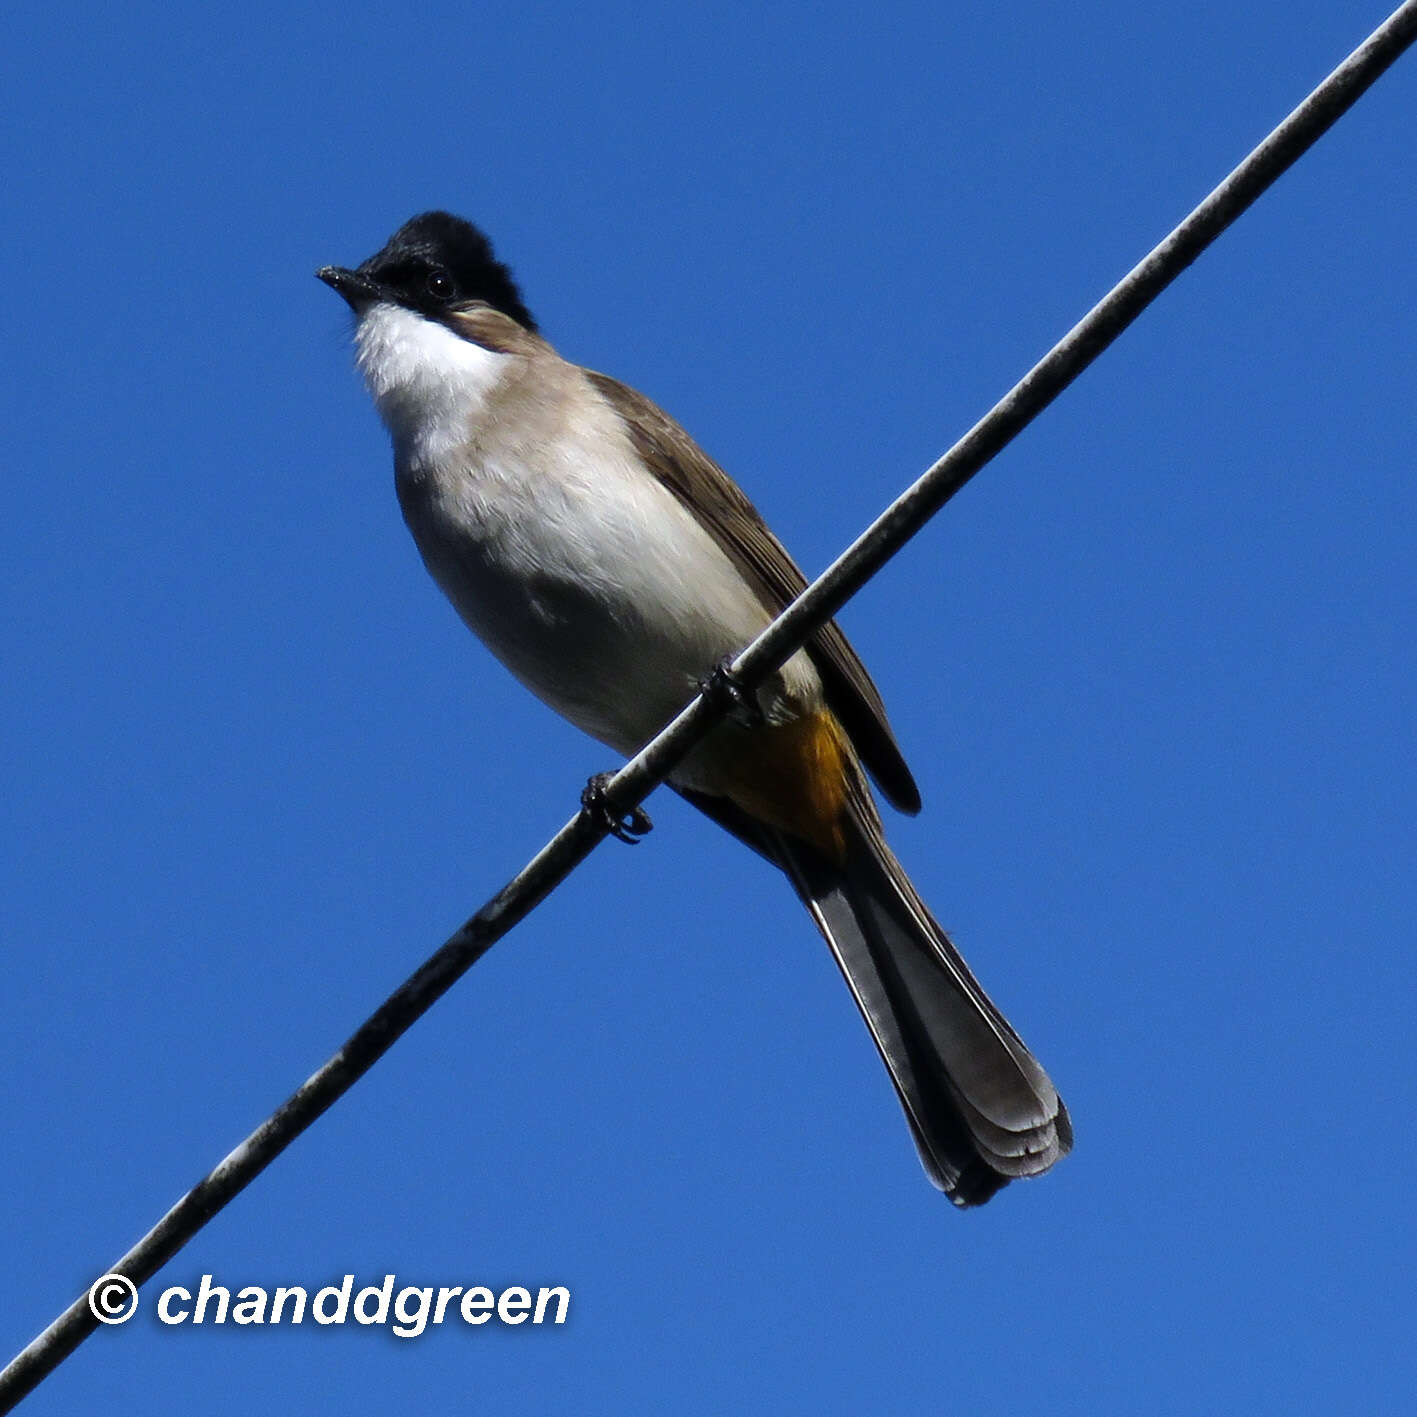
[(731, 519)]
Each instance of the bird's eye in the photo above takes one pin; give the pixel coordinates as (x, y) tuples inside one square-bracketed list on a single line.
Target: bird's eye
[(439, 284)]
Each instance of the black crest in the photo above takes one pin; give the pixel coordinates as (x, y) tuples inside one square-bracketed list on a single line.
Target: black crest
[(437, 261)]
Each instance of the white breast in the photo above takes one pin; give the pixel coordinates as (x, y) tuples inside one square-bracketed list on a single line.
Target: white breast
[(579, 570), (428, 385)]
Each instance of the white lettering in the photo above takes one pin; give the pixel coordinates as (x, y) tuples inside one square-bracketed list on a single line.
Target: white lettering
[(207, 1290), (340, 1295), (563, 1299), (411, 1325), (298, 1297), (444, 1294), (164, 1311), (382, 1294)]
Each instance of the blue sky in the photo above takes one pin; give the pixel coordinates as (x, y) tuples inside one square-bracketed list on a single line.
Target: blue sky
[(1153, 670)]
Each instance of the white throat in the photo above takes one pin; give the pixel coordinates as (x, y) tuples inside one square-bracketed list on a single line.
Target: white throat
[(429, 386)]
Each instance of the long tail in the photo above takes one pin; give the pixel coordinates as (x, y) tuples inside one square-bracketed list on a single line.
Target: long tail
[(982, 1109)]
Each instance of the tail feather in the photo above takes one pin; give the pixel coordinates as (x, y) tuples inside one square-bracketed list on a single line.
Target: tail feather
[(982, 1109)]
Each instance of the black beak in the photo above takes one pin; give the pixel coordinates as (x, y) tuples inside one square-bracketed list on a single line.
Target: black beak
[(358, 289)]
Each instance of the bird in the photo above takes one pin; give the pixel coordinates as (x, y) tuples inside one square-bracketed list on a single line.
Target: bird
[(611, 564)]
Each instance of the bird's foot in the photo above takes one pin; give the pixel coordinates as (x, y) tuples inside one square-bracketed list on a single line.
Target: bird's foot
[(628, 827), (723, 689)]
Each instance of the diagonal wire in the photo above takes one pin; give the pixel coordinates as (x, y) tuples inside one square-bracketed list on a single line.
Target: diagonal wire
[(846, 575)]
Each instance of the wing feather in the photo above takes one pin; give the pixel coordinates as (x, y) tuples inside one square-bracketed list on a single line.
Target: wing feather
[(720, 506)]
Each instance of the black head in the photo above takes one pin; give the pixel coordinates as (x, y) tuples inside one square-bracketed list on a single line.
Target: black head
[(432, 264)]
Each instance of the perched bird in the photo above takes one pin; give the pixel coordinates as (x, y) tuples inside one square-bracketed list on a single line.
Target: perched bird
[(610, 564)]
